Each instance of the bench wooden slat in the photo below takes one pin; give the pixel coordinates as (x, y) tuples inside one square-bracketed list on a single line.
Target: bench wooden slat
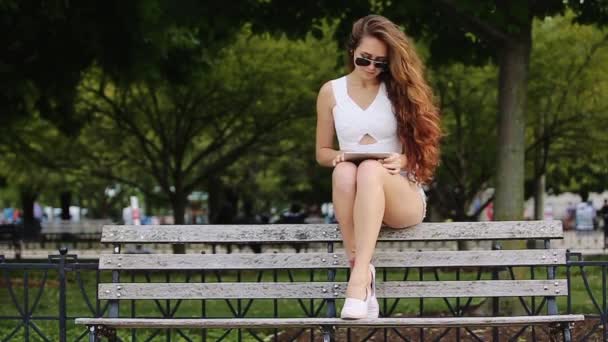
[(388, 289), (316, 322), (330, 260), (492, 230)]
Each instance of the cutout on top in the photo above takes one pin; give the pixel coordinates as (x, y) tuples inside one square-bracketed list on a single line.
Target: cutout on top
[(367, 139)]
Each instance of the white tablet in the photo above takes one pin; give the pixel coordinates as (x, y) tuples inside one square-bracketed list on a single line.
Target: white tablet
[(354, 156)]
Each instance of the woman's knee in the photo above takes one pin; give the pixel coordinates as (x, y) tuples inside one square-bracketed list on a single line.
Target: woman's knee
[(370, 171), (344, 177)]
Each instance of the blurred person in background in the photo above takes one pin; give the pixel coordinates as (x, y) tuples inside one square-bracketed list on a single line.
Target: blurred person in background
[(604, 214), (314, 215), (585, 214)]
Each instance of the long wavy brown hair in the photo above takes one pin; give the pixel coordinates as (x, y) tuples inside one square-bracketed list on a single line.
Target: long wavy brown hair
[(411, 97)]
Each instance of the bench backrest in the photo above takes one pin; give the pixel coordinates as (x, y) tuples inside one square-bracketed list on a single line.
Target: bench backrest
[(330, 289)]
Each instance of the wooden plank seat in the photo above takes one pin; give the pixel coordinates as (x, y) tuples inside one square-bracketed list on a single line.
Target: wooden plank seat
[(415, 322), (330, 290)]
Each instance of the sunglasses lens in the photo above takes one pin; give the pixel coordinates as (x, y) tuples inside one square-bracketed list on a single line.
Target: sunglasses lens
[(362, 61), (381, 66)]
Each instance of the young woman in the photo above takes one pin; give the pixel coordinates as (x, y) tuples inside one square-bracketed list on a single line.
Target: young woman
[(383, 105)]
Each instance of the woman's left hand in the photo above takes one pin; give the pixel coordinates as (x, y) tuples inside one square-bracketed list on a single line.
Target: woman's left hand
[(394, 163)]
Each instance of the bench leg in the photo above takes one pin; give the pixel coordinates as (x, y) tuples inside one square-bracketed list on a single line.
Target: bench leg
[(567, 332), (92, 334), (328, 333)]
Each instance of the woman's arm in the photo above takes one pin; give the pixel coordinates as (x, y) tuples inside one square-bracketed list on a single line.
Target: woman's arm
[(325, 152)]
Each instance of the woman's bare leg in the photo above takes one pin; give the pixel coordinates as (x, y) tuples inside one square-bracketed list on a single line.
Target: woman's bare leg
[(380, 197), (404, 206), (367, 219), (343, 196)]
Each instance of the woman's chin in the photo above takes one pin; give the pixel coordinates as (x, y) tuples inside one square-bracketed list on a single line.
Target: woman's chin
[(369, 75)]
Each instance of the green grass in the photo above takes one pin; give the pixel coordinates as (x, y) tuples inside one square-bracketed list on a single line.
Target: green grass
[(76, 305)]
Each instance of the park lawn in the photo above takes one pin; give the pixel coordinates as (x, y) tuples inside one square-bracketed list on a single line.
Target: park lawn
[(78, 306)]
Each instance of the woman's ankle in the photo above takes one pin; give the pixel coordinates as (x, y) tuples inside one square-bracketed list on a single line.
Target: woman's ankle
[(359, 292), (360, 279)]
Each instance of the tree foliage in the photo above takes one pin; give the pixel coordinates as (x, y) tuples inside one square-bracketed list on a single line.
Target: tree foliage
[(249, 107), (568, 78)]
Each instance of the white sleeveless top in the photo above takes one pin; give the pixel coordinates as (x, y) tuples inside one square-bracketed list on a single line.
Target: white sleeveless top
[(352, 122)]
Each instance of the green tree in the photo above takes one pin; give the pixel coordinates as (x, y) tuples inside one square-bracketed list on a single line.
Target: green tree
[(473, 31), (567, 80), (567, 76), (32, 161), (51, 43), (467, 98), (184, 135)]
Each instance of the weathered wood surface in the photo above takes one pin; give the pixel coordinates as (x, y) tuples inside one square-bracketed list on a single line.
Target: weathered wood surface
[(330, 260), (294, 290), (317, 322), (497, 230)]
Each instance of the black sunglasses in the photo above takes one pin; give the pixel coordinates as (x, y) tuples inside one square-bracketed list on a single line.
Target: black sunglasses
[(362, 61)]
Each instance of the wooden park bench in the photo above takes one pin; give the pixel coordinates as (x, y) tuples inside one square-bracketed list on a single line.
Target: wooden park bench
[(329, 290)]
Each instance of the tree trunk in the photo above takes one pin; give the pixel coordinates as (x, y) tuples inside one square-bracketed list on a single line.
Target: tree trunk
[(223, 203), (539, 177), (461, 216), (539, 170), (514, 59), (30, 226), (214, 200), (539, 197), (179, 210), (513, 84), (66, 199)]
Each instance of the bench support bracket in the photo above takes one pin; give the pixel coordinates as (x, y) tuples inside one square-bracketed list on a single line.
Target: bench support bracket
[(96, 331)]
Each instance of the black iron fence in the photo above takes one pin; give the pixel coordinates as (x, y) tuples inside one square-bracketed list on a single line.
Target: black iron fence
[(40, 300), (594, 294)]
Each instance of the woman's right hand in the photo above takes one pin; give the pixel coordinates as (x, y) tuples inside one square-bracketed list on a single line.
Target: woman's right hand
[(338, 159)]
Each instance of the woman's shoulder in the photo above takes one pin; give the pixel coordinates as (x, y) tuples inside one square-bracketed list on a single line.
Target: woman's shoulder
[(328, 88), (327, 92), (328, 84)]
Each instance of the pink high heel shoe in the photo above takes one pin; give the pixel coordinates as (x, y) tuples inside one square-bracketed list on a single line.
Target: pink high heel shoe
[(373, 308), (355, 308)]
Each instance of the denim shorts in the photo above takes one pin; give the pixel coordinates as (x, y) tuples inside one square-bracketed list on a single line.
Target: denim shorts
[(420, 190)]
